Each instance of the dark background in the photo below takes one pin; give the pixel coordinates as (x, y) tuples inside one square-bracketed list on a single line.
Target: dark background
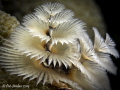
[(110, 10)]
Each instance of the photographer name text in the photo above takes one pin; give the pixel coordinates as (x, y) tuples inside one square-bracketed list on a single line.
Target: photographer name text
[(14, 86)]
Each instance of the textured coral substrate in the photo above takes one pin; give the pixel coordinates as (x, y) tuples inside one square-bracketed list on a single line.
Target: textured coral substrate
[(7, 24)]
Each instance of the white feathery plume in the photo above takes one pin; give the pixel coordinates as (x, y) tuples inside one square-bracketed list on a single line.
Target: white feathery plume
[(87, 50), (106, 46), (111, 44), (30, 68), (109, 41), (67, 31), (53, 8), (107, 62), (94, 72), (99, 43), (42, 14), (36, 27), (63, 16), (52, 46), (103, 49), (63, 54), (99, 74), (81, 79), (24, 66), (31, 46)]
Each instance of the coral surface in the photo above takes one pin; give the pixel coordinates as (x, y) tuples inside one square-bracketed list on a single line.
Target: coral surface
[(7, 24)]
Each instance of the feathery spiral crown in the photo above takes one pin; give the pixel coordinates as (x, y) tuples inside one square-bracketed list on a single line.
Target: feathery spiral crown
[(50, 33), (52, 36)]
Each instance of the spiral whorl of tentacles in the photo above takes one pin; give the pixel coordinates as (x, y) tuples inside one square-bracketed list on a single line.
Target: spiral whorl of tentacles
[(52, 46)]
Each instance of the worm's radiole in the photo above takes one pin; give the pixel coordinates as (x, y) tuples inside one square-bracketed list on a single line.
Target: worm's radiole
[(53, 46)]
